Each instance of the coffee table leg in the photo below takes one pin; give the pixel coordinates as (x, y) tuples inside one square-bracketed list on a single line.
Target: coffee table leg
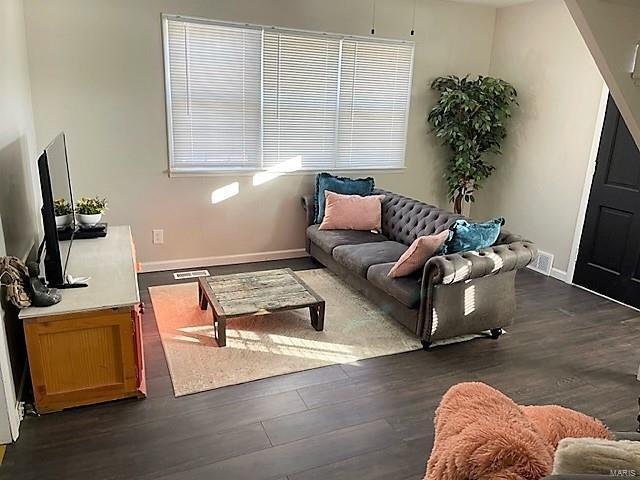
[(202, 298), (317, 316), (222, 331)]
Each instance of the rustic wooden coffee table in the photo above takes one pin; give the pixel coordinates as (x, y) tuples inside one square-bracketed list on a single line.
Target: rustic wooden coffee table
[(257, 293)]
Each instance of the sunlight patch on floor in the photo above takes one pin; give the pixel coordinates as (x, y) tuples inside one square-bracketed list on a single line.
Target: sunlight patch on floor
[(286, 340), (270, 343), (184, 338), (196, 329), (290, 346)]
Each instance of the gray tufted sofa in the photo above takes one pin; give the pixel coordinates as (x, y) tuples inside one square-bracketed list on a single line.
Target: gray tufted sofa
[(453, 295)]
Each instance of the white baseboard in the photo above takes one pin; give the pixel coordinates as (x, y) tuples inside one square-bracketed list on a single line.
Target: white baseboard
[(559, 274), (555, 273), (222, 260)]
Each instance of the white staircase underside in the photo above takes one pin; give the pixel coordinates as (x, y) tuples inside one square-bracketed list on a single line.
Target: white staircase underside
[(611, 30)]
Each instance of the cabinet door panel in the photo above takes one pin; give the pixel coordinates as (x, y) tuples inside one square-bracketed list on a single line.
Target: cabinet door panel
[(81, 358)]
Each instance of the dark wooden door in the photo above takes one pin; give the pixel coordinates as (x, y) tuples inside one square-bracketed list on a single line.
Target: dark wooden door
[(609, 256)]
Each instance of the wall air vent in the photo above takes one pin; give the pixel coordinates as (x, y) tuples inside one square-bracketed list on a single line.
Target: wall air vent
[(542, 263), (191, 274)]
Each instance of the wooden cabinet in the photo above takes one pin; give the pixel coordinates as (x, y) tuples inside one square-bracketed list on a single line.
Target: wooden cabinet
[(83, 358), (90, 350), (138, 350)]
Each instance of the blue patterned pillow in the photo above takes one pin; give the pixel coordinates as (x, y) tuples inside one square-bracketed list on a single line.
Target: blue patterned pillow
[(343, 185), (464, 236)]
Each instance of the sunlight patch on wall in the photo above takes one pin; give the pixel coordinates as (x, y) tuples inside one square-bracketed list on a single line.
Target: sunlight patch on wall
[(291, 165), (223, 193)]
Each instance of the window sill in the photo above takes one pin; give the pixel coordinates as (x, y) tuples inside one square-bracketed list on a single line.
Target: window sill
[(194, 172)]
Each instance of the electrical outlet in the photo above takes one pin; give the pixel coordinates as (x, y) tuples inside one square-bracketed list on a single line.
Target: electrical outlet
[(158, 237)]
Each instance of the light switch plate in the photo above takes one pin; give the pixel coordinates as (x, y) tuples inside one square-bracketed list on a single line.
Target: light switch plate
[(158, 237)]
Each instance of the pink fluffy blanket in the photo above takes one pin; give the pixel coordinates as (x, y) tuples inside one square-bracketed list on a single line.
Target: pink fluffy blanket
[(481, 434)]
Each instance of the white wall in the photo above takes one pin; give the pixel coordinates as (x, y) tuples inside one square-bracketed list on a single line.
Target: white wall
[(539, 179), (97, 73), (18, 212), (611, 30), (17, 134)]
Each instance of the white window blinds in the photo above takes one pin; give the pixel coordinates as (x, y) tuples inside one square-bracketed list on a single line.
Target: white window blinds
[(375, 84), (214, 80), (300, 97), (244, 97)]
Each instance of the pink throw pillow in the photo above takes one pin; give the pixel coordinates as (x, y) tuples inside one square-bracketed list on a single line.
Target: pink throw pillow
[(351, 212), (421, 250)]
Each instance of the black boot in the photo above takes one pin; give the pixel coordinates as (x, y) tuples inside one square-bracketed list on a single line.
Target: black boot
[(41, 296)]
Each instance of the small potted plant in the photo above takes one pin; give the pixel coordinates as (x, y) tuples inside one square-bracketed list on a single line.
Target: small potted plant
[(89, 210), (62, 210)]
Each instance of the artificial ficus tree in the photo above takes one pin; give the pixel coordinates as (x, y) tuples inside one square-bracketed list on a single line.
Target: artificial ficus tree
[(470, 118)]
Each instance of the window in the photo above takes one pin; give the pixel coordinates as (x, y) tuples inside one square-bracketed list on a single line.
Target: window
[(258, 98), (214, 96), (375, 82)]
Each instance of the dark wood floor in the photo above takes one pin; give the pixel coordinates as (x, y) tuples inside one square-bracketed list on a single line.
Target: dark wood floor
[(372, 420)]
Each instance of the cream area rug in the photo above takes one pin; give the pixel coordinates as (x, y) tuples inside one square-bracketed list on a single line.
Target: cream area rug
[(275, 344)]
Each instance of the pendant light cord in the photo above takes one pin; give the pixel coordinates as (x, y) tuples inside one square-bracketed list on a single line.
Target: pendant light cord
[(373, 19), (413, 21)]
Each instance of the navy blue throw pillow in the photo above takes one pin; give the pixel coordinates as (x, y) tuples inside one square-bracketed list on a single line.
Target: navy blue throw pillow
[(343, 185), (464, 236)]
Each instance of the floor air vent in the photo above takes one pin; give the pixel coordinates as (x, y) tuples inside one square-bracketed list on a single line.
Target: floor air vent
[(191, 274), (542, 263)]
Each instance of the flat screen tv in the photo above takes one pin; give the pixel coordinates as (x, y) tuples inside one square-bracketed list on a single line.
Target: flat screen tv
[(55, 183)]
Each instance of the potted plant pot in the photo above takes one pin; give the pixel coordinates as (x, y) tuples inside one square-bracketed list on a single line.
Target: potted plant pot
[(63, 220), (88, 220), (89, 210)]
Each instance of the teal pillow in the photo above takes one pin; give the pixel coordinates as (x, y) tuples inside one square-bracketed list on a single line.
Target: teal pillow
[(343, 185), (464, 236)]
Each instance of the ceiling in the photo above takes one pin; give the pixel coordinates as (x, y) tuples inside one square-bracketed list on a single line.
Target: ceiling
[(496, 3), (628, 3), (507, 3)]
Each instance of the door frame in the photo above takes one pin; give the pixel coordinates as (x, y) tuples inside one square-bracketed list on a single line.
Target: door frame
[(10, 408), (588, 181)]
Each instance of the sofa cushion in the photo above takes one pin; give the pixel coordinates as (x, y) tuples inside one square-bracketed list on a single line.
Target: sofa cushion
[(405, 219), (421, 250), (404, 289), (358, 258), (465, 236), (351, 212), (344, 185), (327, 240)]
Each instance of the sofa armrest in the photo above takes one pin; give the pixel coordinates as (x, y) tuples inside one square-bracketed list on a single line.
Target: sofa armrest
[(458, 267), (506, 237), (309, 205)]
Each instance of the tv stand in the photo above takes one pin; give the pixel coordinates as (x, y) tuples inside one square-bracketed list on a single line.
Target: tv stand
[(88, 348)]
